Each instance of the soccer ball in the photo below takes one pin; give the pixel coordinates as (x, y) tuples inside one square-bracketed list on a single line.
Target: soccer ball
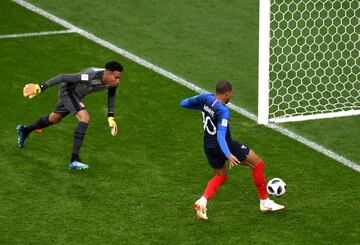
[(276, 187)]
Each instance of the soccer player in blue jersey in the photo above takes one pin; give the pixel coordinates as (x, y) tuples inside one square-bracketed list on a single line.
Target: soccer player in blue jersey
[(219, 147), (73, 88)]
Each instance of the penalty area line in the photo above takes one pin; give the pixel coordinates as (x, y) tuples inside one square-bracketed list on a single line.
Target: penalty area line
[(32, 34), (140, 61)]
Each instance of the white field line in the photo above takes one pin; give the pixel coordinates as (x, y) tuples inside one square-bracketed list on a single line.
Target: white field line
[(185, 83), (31, 34)]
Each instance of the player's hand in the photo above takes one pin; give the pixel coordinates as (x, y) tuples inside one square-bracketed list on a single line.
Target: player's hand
[(113, 126), (31, 90), (233, 161)]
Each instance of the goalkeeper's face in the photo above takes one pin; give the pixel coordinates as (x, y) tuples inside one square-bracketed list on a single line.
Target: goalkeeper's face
[(112, 78)]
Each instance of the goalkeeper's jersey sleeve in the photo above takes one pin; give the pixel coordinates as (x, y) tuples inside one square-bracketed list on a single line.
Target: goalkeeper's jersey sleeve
[(111, 101), (82, 83)]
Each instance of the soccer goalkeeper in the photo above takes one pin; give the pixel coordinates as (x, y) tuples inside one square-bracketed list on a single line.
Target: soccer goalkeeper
[(74, 87)]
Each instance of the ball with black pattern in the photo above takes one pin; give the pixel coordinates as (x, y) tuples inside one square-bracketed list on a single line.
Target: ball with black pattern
[(276, 187)]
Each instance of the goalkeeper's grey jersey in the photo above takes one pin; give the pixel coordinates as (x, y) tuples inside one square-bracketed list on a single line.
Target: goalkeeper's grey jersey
[(83, 83), (90, 80)]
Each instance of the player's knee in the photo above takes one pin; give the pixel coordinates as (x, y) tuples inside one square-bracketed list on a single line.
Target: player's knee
[(256, 164), (83, 116), (221, 171), (55, 118), (85, 119)]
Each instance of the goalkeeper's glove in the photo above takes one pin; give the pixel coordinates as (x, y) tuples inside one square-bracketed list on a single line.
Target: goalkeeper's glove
[(113, 126), (31, 90)]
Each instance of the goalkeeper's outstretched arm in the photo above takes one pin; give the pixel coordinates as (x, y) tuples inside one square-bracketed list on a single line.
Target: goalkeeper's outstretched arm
[(31, 90)]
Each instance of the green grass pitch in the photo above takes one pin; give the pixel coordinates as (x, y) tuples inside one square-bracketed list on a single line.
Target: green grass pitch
[(142, 184), (201, 42)]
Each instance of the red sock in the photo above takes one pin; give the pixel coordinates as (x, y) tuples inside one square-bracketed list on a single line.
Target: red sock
[(259, 179), (212, 186)]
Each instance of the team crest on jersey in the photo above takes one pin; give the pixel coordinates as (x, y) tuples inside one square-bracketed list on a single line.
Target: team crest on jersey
[(84, 77), (224, 122)]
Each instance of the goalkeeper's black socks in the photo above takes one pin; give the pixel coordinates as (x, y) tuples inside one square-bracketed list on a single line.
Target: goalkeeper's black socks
[(79, 135), (75, 157), (42, 122)]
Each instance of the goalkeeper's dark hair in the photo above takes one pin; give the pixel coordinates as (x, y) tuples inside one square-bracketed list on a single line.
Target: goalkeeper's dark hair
[(223, 86), (114, 66)]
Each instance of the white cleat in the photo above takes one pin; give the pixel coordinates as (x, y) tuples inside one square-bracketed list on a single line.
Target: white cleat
[(270, 206), (200, 210)]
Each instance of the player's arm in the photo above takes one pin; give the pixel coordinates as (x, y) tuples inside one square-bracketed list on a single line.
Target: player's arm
[(111, 110), (193, 102), (222, 127), (31, 90)]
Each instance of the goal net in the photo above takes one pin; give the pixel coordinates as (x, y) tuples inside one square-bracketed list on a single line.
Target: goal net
[(309, 63)]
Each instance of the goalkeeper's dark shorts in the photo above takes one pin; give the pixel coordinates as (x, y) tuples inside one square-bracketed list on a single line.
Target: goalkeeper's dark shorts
[(69, 103), (216, 157)]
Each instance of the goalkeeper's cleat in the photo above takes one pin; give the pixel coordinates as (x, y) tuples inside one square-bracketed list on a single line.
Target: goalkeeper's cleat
[(21, 135), (270, 206), (200, 208), (78, 165)]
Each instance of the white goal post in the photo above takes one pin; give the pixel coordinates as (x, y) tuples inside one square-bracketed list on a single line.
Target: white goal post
[(309, 62)]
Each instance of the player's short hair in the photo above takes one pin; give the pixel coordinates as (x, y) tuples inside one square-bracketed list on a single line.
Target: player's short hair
[(114, 66), (223, 86)]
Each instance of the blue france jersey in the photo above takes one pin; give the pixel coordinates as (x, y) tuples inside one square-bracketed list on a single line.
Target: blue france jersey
[(216, 118)]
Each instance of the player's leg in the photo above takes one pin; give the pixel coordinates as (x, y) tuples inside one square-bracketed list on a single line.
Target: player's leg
[(71, 103), (83, 118), (217, 162), (252, 160), (42, 122), (212, 186), (257, 167), (79, 135)]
